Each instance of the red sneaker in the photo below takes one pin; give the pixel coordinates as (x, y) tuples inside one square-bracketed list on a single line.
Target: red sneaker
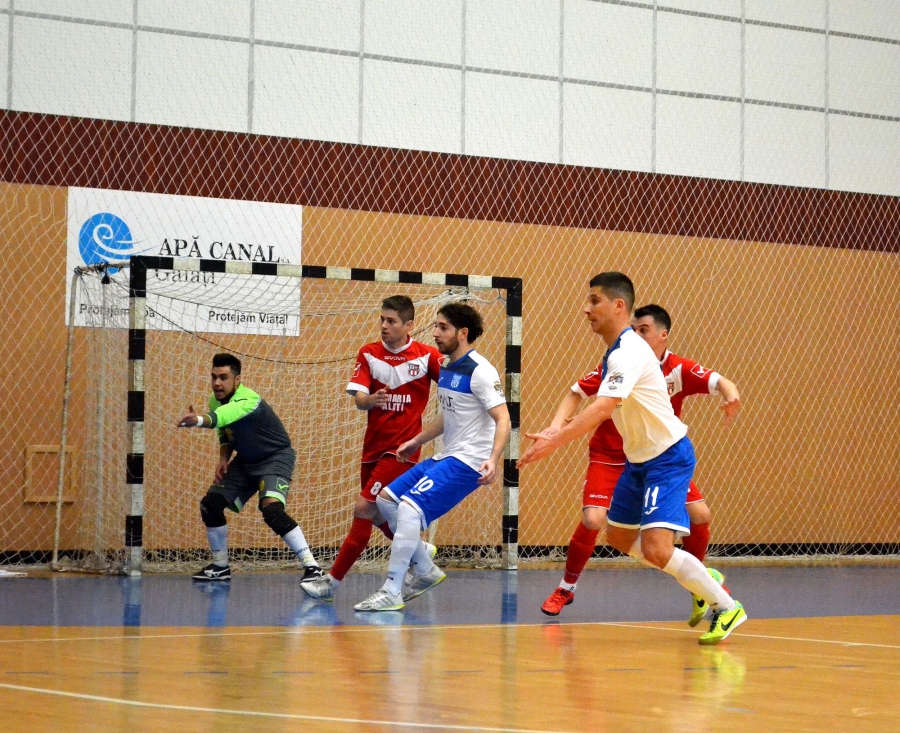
[(559, 598)]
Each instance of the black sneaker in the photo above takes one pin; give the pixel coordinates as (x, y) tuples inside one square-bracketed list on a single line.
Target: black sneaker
[(213, 572), (311, 572)]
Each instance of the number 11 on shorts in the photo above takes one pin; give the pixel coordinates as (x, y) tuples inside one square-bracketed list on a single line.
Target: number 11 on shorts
[(650, 500)]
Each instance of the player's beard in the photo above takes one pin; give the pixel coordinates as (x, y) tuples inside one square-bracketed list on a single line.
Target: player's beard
[(449, 346)]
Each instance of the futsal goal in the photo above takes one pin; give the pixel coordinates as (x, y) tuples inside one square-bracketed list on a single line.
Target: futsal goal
[(141, 337)]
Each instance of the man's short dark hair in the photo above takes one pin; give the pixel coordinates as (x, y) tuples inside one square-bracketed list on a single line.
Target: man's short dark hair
[(402, 304), (461, 315), (228, 360), (659, 315), (615, 285)]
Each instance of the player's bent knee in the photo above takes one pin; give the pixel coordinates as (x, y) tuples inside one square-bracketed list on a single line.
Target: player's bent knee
[(364, 509), (594, 518), (212, 510), (699, 512), (277, 518)]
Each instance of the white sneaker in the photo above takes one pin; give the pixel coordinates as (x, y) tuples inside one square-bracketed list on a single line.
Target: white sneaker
[(416, 585), (380, 600), (321, 588), (432, 549)]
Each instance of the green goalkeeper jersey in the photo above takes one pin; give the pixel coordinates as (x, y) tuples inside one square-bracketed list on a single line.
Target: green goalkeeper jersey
[(249, 425)]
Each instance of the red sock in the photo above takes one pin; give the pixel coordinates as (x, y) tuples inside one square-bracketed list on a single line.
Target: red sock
[(697, 542), (386, 528), (353, 546), (581, 547)]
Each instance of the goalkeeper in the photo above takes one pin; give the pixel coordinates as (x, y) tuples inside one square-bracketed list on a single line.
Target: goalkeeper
[(263, 464)]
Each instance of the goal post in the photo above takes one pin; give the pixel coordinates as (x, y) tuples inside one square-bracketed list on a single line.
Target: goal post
[(321, 316)]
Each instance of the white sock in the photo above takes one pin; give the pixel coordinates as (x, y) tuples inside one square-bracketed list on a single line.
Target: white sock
[(406, 540), (421, 562), (218, 544), (638, 554), (692, 574), (567, 586), (296, 540), (388, 510)]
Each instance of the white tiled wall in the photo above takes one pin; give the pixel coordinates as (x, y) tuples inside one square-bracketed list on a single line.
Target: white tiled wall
[(512, 117), (71, 69), (804, 13), (608, 43), (865, 155), (864, 76), (698, 137), (785, 66), (332, 24), (191, 82), (412, 29), (785, 145), (306, 95), (513, 35), (217, 17), (607, 128), (412, 106), (110, 11), (391, 73), (700, 55)]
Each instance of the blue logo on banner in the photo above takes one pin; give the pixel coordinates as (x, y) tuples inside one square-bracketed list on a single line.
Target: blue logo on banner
[(105, 238)]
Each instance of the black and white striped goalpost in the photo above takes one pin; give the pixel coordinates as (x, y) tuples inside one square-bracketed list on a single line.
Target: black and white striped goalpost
[(137, 331)]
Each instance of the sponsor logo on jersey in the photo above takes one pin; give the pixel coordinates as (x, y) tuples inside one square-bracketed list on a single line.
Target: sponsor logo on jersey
[(497, 388), (614, 381), (393, 357), (414, 368), (699, 371)]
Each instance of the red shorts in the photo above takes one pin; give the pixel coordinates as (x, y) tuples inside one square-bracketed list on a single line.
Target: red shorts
[(694, 494), (375, 475), (600, 483)]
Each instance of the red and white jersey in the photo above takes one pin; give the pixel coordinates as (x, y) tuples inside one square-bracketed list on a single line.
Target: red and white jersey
[(407, 374), (685, 377), (606, 443)]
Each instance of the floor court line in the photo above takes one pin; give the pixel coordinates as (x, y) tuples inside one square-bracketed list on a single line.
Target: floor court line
[(451, 627), (393, 724)]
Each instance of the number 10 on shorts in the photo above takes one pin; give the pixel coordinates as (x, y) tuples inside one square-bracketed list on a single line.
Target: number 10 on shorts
[(422, 485), (650, 500)]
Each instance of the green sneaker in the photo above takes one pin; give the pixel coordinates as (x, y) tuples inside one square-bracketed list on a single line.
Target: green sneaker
[(699, 607), (722, 624)]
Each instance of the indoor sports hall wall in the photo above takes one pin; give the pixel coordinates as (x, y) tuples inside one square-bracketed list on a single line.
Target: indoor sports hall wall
[(804, 331)]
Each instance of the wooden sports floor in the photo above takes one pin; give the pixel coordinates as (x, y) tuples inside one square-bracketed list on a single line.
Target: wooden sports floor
[(821, 652)]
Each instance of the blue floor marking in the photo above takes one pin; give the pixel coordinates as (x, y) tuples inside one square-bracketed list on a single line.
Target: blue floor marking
[(466, 597)]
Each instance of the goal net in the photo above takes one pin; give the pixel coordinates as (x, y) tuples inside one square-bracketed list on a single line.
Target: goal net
[(297, 338)]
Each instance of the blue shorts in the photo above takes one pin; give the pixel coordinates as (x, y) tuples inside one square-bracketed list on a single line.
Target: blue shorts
[(434, 487), (653, 494)]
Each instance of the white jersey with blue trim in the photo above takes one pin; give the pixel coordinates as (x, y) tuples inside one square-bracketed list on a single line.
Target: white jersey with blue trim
[(467, 389), (645, 418)]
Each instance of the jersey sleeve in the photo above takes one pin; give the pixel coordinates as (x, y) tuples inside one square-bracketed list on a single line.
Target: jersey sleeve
[(239, 406), (622, 373), (588, 385), (434, 364), (362, 376), (213, 403), (486, 387), (697, 379)]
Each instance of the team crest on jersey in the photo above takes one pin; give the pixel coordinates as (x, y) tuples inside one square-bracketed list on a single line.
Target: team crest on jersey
[(414, 368), (699, 371), (670, 386), (497, 388), (457, 378)]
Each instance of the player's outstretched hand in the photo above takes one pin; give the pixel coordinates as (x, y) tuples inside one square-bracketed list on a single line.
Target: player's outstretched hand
[(731, 408), (488, 471), (188, 420), (544, 444), (406, 450)]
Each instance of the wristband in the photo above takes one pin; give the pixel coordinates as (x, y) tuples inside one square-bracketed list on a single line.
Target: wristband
[(200, 421)]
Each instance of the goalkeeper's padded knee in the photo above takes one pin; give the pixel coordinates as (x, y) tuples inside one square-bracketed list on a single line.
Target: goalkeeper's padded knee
[(277, 518), (212, 510)]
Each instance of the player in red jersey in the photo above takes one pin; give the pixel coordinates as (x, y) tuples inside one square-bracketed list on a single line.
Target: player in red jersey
[(392, 381), (607, 459)]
